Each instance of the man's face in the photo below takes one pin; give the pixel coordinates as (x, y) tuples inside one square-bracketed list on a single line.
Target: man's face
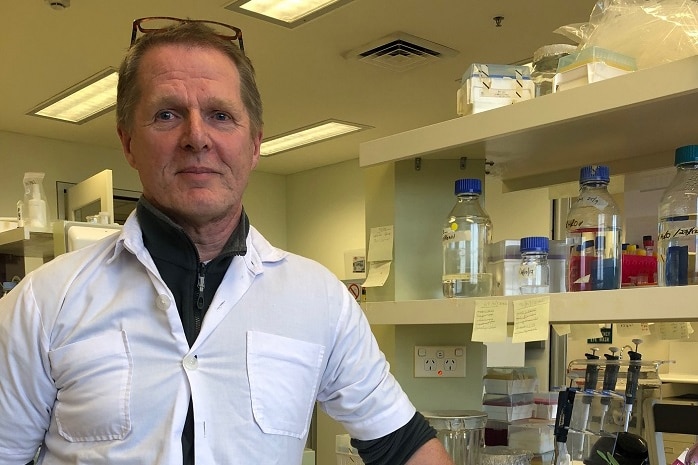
[(191, 141)]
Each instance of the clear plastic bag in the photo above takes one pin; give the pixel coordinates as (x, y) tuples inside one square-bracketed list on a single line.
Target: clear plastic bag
[(651, 31)]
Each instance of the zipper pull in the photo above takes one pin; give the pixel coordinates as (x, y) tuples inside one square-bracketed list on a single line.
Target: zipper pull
[(200, 286)]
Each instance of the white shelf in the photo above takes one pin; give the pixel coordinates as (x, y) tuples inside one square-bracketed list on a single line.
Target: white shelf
[(24, 242), (630, 123), (646, 304)]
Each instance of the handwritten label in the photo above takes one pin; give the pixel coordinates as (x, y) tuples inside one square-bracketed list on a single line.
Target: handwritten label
[(377, 274), (632, 329), (490, 320), (380, 244), (669, 331), (531, 319)]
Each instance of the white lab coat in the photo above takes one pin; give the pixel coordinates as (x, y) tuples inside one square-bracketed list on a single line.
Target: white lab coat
[(95, 363)]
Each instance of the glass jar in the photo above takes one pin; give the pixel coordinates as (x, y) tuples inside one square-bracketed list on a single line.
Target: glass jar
[(462, 432), (545, 66)]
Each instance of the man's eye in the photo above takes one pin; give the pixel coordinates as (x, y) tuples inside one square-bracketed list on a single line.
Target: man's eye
[(221, 116), (165, 115)]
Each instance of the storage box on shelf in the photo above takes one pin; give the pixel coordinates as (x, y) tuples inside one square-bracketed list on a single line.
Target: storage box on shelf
[(508, 396), (346, 453)]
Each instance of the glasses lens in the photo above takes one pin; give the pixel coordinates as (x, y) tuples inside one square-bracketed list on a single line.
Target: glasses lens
[(158, 24)]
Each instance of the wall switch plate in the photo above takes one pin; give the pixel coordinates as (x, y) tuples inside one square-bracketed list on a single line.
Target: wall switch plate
[(439, 361)]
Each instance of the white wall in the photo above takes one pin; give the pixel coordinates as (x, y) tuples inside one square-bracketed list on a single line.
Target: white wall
[(325, 208), (70, 162)]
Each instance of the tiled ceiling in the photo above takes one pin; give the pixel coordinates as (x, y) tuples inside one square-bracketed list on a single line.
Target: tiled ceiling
[(306, 74)]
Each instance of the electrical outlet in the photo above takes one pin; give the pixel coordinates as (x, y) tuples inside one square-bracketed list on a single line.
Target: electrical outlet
[(439, 361)]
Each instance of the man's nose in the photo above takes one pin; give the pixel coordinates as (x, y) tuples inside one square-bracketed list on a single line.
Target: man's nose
[(195, 136)]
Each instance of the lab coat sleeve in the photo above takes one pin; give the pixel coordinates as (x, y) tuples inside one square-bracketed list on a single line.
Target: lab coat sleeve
[(357, 388), (27, 392)]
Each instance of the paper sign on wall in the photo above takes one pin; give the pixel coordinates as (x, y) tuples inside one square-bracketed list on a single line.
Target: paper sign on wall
[(377, 274), (632, 329), (531, 319), (490, 320), (380, 255), (670, 331)]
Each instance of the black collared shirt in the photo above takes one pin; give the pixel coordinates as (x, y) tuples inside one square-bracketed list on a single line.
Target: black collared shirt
[(192, 283)]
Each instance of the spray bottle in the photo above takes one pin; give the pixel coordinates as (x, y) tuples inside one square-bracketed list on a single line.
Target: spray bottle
[(35, 212)]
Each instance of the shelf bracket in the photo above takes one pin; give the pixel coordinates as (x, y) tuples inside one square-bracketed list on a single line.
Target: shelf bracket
[(463, 162), (418, 163)]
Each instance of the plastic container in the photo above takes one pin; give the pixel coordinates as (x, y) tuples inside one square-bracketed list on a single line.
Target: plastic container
[(346, 453), (510, 380), (594, 234), (466, 237), (534, 271), (35, 212), (462, 432), (534, 435), (678, 222), (545, 62)]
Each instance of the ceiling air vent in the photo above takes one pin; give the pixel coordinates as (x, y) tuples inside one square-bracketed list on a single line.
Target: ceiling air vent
[(400, 52)]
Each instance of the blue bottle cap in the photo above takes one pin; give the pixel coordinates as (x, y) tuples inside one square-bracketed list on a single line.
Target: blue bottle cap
[(600, 242), (534, 244), (594, 173), (468, 186), (686, 154)]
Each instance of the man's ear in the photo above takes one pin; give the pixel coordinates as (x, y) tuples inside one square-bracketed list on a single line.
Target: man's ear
[(125, 138)]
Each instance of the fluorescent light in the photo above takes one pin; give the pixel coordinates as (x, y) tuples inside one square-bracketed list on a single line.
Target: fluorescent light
[(310, 135), (82, 102), (288, 13)]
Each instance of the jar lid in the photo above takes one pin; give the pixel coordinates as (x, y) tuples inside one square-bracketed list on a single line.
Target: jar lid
[(686, 154), (456, 420), (594, 173), (503, 455), (468, 186), (553, 50), (534, 244)]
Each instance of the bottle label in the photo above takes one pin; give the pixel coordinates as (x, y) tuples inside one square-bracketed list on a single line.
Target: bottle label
[(678, 233), (527, 271), (449, 235), (591, 200)]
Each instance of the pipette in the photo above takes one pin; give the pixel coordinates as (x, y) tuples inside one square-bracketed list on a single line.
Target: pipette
[(632, 380), (591, 379), (565, 402), (610, 377)]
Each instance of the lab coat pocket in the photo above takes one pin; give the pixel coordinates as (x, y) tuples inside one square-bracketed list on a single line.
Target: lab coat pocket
[(93, 378), (283, 375)]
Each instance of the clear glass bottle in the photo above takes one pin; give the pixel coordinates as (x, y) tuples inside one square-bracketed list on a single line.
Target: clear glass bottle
[(534, 270), (678, 222), (594, 234), (466, 236)]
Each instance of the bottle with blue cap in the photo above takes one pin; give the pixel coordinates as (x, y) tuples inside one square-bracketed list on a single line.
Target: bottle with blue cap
[(534, 270), (678, 222), (467, 234), (594, 234)]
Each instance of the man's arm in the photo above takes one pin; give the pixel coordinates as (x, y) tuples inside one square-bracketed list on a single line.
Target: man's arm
[(431, 453)]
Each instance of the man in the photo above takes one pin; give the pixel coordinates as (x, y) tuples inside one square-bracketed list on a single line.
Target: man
[(184, 339)]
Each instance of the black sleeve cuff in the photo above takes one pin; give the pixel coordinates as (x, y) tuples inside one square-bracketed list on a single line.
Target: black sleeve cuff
[(397, 447)]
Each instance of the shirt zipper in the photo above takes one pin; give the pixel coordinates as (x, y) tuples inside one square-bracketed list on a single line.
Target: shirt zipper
[(200, 300)]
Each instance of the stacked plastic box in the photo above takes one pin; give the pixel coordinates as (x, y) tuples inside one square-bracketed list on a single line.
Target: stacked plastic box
[(346, 453), (518, 415)]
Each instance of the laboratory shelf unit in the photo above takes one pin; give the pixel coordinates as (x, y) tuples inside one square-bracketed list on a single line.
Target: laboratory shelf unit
[(24, 242), (640, 304), (631, 123)]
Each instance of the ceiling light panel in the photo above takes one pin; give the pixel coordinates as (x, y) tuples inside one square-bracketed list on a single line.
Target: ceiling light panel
[(82, 102), (289, 13), (309, 135)]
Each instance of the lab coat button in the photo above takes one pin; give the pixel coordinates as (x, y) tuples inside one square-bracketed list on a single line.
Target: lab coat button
[(162, 302), (191, 362)]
